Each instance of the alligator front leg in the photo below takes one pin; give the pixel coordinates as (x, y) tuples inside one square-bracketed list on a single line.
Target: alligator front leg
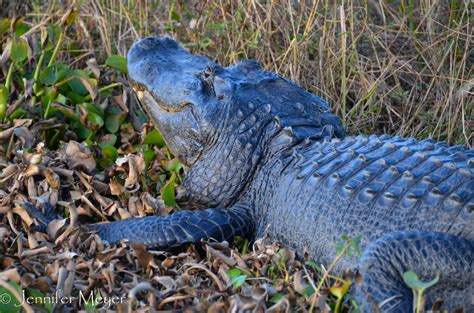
[(425, 253), (171, 231), (180, 228)]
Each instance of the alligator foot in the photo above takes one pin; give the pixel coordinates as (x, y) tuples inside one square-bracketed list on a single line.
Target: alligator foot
[(425, 253), (180, 228), (43, 218)]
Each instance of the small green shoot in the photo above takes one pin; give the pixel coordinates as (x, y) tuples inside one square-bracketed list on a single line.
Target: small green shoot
[(418, 286), (167, 193), (236, 277)]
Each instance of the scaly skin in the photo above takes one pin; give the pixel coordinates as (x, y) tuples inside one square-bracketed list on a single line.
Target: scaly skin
[(411, 201), (264, 154)]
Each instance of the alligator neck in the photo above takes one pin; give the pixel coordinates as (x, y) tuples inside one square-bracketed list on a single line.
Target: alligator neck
[(254, 135), (224, 171)]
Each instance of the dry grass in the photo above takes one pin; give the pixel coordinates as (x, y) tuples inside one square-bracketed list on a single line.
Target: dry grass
[(385, 66)]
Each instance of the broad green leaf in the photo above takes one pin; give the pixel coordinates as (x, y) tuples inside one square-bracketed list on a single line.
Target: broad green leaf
[(90, 108), (61, 99), (173, 165), (113, 120), (236, 277), (70, 113), (167, 194), (340, 289), (234, 272), (19, 50), (110, 153), (276, 297), (53, 31), (82, 131), (8, 302), (108, 140), (76, 84), (154, 138), (148, 155), (238, 281), (412, 281), (75, 98), (95, 119), (308, 291), (117, 62), (20, 28), (53, 74), (18, 113)]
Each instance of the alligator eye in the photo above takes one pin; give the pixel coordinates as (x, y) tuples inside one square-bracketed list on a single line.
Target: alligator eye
[(208, 72), (207, 78)]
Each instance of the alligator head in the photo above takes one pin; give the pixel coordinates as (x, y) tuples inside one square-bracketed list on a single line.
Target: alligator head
[(229, 114)]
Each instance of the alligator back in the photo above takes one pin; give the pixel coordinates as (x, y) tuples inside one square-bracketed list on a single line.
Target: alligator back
[(368, 186)]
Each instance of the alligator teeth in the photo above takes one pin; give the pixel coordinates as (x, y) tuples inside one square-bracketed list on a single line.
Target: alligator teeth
[(140, 94)]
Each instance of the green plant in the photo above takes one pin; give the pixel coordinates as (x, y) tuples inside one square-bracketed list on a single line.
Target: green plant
[(418, 286), (237, 278)]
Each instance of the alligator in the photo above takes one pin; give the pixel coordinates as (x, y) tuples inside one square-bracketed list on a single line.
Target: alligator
[(266, 157)]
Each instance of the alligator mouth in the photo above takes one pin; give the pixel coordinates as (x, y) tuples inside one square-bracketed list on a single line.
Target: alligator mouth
[(144, 97)]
